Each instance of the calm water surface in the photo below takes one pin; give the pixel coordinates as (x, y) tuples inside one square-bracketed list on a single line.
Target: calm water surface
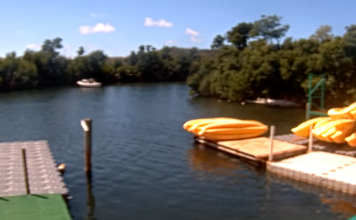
[(145, 166)]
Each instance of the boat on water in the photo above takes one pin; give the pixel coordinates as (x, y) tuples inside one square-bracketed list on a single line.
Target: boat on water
[(273, 102), (88, 83)]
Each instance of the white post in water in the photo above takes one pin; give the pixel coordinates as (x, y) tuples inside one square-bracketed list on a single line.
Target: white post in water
[(86, 125), (310, 145), (272, 130)]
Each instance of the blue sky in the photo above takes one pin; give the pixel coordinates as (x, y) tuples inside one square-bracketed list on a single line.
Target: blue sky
[(118, 27)]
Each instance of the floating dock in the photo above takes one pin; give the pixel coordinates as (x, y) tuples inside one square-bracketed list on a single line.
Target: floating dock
[(244, 148), (332, 166), (41, 170), (31, 187), (257, 149), (322, 192), (318, 145), (332, 171), (34, 207)]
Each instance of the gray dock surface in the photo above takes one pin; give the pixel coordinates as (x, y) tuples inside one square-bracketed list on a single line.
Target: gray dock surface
[(312, 189), (332, 171), (43, 176)]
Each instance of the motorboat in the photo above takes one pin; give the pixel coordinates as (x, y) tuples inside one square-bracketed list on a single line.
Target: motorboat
[(88, 83), (274, 102)]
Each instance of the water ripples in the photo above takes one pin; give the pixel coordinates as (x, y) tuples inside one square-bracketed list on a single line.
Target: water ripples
[(144, 165)]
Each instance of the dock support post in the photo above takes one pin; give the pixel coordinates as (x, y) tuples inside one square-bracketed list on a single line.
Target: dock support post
[(310, 144), (86, 125), (307, 110), (272, 130), (25, 170)]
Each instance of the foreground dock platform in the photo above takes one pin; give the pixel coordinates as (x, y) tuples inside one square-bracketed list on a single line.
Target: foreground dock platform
[(257, 149), (34, 207), (324, 169), (38, 168)]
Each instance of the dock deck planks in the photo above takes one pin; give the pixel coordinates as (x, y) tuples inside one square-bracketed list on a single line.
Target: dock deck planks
[(257, 148), (260, 147), (318, 145)]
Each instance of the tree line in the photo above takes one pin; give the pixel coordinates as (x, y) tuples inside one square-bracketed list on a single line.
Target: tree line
[(252, 59), (47, 67)]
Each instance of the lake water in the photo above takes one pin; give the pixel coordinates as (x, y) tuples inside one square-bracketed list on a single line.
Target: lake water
[(145, 166)]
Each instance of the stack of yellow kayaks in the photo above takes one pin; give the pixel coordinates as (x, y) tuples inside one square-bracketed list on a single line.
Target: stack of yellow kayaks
[(222, 129), (346, 112), (339, 128)]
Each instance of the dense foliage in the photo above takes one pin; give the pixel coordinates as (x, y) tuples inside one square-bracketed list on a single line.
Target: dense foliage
[(46, 67), (253, 59)]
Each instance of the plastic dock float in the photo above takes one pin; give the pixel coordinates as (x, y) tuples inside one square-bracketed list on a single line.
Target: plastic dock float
[(321, 192), (38, 168), (333, 171), (257, 149)]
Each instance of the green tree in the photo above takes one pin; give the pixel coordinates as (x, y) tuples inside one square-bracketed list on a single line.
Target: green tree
[(80, 51), (218, 42), (269, 28)]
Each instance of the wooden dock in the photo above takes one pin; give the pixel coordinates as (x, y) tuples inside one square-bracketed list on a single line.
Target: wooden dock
[(331, 166), (318, 145), (247, 148), (38, 168), (257, 149), (324, 169)]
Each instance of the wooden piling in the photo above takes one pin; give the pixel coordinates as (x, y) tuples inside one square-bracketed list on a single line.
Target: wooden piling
[(310, 144), (86, 125), (272, 130), (25, 170), (307, 110)]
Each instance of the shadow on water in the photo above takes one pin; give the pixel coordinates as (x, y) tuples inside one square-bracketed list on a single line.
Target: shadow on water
[(209, 160)]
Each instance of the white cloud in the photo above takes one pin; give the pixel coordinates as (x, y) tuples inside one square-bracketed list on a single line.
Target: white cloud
[(33, 46), (100, 27), (193, 35), (159, 23), (191, 32)]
